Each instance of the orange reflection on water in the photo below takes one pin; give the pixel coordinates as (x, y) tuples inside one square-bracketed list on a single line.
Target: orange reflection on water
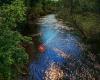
[(54, 73)]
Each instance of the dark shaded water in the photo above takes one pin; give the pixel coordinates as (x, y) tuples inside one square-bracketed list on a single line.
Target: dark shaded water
[(62, 55)]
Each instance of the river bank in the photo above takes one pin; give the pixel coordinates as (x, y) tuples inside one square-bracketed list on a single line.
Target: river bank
[(87, 27), (84, 16)]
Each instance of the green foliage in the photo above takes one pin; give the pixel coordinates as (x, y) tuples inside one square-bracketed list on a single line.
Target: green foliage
[(42, 7), (5, 2), (13, 13), (11, 52), (84, 13), (37, 9)]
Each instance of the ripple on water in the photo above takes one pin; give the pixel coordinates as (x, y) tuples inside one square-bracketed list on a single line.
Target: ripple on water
[(61, 47)]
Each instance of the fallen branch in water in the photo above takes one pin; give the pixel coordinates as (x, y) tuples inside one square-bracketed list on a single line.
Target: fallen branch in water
[(61, 53), (38, 34)]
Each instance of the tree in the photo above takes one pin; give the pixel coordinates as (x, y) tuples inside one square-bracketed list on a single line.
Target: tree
[(11, 52)]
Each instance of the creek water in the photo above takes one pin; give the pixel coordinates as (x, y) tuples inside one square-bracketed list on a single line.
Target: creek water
[(62, 54)]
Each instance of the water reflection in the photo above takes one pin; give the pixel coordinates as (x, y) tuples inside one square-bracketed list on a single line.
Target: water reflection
[(61, 48), (54, 38)]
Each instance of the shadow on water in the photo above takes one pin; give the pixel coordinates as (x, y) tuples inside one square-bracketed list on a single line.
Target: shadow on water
[(62, 55)]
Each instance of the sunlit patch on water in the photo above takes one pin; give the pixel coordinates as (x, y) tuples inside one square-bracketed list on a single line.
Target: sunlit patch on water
[(54, 72)]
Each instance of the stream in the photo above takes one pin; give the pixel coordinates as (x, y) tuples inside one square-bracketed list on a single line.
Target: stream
[(62, 57)]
